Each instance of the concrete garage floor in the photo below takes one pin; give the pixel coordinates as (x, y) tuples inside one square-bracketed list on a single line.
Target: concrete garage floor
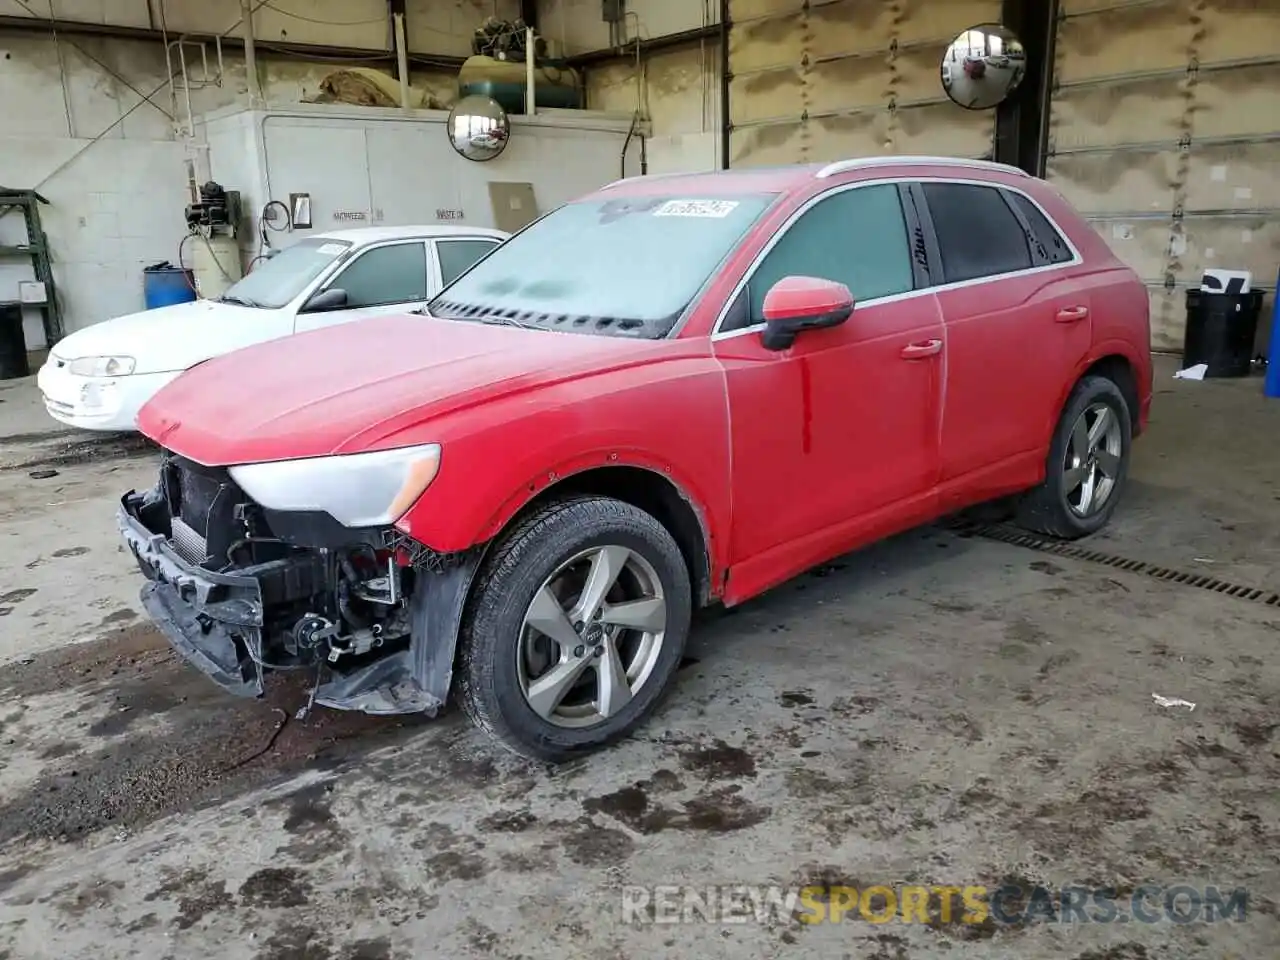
[(939, 709)]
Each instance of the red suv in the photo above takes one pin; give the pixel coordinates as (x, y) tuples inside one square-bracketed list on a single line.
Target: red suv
[(673, 392)]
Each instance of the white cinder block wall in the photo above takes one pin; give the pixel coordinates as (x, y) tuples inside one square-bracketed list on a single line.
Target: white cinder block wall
[(75, 125)]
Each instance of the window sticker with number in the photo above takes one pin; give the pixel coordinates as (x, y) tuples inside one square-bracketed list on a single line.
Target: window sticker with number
[(715, 209)]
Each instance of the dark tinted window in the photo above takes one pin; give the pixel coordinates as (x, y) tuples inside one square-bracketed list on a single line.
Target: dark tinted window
[(383, 275), (1048, 242), (978, 233), (457, 255), (855, 237)]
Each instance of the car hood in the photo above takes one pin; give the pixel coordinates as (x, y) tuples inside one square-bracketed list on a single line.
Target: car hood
[(175, 337), (355, 386)]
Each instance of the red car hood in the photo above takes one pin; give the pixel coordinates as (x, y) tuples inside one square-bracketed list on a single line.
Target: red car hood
[(353, 386)]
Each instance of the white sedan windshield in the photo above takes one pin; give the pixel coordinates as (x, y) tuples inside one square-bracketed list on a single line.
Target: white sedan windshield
[(627, 266), (276, 281)]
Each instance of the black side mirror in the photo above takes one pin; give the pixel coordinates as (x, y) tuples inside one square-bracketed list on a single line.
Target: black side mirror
[(796, 304), (325, 300)]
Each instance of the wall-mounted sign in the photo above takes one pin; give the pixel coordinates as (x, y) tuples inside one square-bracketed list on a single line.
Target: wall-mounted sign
[(350, 215), (443, 214)]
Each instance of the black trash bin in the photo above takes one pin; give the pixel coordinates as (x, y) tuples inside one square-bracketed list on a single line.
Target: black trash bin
[(1220, 331), (13, 343)]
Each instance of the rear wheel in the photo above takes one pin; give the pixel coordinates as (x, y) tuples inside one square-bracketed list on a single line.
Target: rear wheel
[(1087, 467), (575, 629)]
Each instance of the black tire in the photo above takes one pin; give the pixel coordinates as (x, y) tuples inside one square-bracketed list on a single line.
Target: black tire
[(1046, 509), (488, 681)]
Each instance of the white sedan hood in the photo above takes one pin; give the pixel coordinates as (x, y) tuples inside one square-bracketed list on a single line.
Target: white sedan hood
[(178, 337)]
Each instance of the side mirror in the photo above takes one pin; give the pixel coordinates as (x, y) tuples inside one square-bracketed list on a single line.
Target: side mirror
[(325, 300), (796, 304)]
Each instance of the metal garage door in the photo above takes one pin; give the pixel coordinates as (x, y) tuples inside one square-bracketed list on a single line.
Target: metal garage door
[(823, 80), (1165, 131)]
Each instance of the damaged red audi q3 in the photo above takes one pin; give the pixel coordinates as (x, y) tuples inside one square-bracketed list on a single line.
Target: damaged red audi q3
[(673, 392)]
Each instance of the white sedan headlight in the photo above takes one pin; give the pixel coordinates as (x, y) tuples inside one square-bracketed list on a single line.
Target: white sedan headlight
[(357, 490), (102, 366)]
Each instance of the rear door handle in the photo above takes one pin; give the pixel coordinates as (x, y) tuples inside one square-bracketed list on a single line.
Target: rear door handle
[(925, 348), (1072, 314)]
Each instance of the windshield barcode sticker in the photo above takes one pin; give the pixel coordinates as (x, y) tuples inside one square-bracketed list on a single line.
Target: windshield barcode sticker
[(696, 208), (331, 249)]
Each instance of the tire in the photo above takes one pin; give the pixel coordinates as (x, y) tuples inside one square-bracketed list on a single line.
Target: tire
[(1052, 508), (498, 680)]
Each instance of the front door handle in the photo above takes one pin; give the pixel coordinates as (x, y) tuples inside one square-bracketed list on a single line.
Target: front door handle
[(1072, 314), (925, 348)]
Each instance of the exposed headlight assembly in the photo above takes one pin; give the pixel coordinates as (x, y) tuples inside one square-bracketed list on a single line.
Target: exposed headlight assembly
[(357, 490), (102, 366)]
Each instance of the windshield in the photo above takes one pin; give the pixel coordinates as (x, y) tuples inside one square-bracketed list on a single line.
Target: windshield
[(621, 267), (276, 281)]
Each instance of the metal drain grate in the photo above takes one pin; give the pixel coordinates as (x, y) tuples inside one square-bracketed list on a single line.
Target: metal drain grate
[(1020, 538)]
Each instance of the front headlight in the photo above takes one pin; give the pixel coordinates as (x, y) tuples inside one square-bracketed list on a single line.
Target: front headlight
[(102, 366), (357, 490)]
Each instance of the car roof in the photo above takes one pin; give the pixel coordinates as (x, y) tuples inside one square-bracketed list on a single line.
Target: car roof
[(785, 179), (360, 236)]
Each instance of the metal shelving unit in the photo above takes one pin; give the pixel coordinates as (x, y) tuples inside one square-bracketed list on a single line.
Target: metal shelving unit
[(37, 248)]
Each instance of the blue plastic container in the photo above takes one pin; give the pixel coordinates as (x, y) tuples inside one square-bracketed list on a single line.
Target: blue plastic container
[(1271, 385), (164, 285)]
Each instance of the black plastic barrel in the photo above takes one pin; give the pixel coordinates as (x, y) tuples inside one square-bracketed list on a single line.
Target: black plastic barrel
[(1220, 331), (13, 343)]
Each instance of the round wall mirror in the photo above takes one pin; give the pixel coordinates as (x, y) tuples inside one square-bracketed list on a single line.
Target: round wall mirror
[(479, 128), (983, 66)]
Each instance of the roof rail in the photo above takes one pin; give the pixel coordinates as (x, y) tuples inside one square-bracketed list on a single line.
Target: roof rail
[(863, 163)]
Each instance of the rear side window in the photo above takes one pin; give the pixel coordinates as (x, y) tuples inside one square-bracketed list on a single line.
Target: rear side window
[(977, 232), (457, 255), (1050, 246), (856, 237)]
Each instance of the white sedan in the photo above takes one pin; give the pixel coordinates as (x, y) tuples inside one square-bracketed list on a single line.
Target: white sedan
[(98, 378)]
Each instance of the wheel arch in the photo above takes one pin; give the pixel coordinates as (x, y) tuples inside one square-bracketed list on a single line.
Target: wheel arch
[(646, 489), (1117, 368)]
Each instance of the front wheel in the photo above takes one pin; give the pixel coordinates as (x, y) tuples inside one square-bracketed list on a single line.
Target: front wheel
[(575, 629), (1087, 467)]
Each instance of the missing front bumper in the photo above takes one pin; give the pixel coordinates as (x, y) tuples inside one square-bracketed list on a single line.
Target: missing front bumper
[(214, 620)]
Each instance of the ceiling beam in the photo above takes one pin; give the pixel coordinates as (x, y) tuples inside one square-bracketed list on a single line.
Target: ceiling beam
[(265, 48), (683, 38)]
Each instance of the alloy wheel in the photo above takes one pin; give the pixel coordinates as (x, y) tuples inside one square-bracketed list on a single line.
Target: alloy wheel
[(591, 636), (1093, 459)]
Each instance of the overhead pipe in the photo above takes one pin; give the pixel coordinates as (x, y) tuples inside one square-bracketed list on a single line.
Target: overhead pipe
[(402, 60), (726, 124), (530, 90), (250, 54)]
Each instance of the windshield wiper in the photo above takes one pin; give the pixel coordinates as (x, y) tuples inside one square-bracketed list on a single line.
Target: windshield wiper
[(495, 320), (239, 301)]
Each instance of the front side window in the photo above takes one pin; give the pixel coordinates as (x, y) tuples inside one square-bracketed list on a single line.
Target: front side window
[(275, 281), (625, 266), (978, 234), (386, 275), (457, 255), (856, 237)]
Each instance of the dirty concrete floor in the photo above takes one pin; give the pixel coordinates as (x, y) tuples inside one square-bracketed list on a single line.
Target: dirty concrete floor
[(938, 709)]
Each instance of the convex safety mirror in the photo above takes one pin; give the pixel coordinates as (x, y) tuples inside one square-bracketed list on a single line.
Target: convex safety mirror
[(983, 66), (479, 128)]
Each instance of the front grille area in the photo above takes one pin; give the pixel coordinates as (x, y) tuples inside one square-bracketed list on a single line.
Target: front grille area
[(202, 505), (189, 544)]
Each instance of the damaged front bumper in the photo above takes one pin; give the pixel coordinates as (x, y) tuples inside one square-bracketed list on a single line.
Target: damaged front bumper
[(236, 624), (214, 620)]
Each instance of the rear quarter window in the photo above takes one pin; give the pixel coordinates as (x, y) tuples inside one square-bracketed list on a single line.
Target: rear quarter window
[(1046, 239)]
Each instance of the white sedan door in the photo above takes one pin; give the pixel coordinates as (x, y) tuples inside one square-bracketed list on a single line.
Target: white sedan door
[(393, 277)]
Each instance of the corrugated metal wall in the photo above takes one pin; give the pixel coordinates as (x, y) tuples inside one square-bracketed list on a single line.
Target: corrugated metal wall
[(1165, 131), (823, 80)]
